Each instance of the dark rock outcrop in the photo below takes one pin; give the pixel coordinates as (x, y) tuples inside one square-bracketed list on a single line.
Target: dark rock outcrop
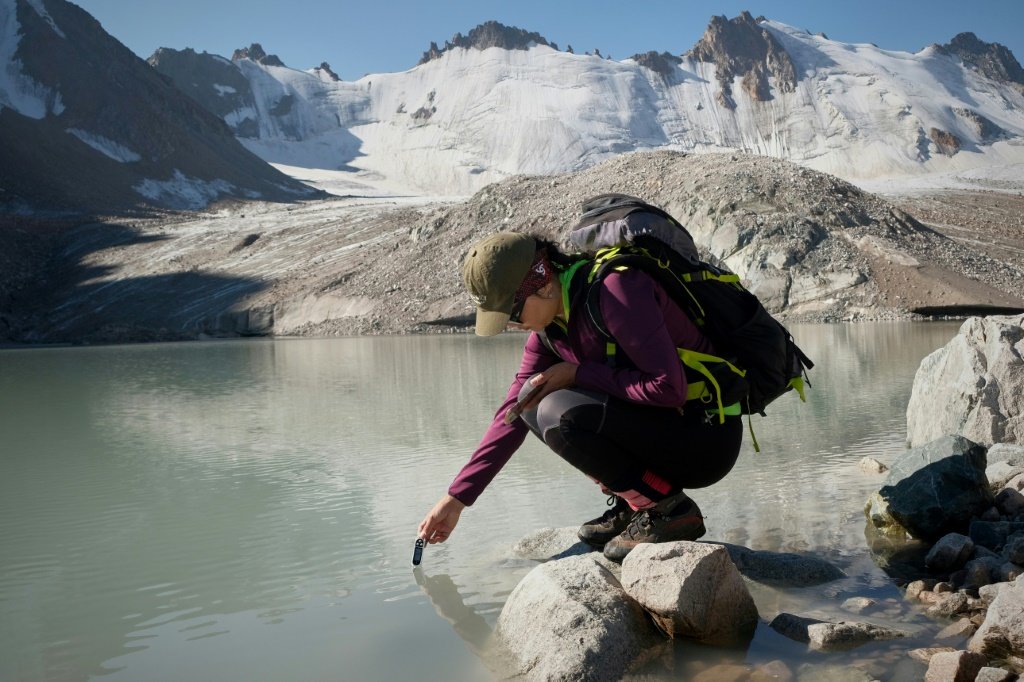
[(661, 63), (935, 489), (987, 130), (212, 81), (325, 68), (256, 53), (489, 34), (948, 143), (991, 59), (739, 47)]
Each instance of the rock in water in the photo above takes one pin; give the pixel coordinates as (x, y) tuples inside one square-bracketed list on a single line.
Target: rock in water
[(1001, 635), (692, 590), (570, 619), (974, 386), (937, 488)]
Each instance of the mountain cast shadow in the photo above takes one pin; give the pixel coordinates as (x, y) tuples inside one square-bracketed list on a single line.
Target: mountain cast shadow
[(78, 301)]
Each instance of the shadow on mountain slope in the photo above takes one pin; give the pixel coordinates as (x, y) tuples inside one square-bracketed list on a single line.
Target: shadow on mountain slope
[(64, 296)]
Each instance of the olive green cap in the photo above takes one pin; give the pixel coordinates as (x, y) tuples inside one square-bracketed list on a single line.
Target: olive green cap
[(493, 270)]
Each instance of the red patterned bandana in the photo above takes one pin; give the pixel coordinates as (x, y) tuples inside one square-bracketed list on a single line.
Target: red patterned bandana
[(540, 274)]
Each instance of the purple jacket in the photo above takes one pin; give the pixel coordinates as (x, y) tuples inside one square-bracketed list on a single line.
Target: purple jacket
[(646, 325)]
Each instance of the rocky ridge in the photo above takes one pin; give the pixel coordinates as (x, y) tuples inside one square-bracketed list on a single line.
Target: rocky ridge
[(811, 246), (488, 34), (992, 59)]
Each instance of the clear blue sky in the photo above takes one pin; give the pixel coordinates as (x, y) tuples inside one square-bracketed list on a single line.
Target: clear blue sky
[(375, 36)]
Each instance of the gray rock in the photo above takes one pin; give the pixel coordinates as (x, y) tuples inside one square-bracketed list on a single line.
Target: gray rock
[(956, 666), (691, 590), (1017, 482), (1013, 551), (974, 386), (1010, 571), (961, 628), (1001, 635), (1001, 473), (924, 655), (949, 553), (792, 626), (988, 674), (772, 671), (1008, 453), (847, 635), (937, 488), (813, 672), (871, 465), (1009, 502), (570, 619), (858, 605), (994, 534), (981, 572), (782, 569), (948, 605), (550, 543), (826, 636)]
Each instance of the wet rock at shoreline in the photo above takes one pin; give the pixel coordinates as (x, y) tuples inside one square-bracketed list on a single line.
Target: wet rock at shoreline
[(974, 386), (934, 489), (949, 553), (1001, 635), (570, 619), (825, 636), (782, 569), (954, 666), (692, 590)]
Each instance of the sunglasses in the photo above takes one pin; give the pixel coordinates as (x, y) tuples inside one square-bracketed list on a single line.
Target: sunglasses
[(517, 311)]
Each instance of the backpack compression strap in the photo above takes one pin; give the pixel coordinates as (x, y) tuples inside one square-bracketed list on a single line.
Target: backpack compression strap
[(704, 391)]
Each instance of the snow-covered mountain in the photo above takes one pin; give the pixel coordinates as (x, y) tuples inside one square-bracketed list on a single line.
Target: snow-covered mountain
[(87, 126), (503, 101)]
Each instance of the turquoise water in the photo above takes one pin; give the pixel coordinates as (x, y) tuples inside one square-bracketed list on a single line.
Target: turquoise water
[(247, 510)]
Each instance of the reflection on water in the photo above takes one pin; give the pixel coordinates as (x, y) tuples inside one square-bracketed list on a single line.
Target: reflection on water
[(247, 510)]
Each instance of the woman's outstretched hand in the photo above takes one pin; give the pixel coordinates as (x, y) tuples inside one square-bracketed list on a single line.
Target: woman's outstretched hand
[(439, 523)]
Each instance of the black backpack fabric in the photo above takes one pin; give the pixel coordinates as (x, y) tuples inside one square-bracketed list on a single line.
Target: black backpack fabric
[(759, 360)]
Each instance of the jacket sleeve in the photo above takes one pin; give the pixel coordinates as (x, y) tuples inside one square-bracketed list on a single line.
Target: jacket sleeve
[(501, 440), (634, 309)]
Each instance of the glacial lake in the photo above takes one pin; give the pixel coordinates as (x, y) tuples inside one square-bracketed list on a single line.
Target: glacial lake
[(246, 510)]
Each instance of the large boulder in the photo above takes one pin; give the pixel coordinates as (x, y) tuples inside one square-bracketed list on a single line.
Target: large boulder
[(692, 590), (974, 386), (570, 619), (934, 489), (1001, 635)]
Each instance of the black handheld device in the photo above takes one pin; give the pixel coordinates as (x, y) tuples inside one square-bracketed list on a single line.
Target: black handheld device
[(417, 551)]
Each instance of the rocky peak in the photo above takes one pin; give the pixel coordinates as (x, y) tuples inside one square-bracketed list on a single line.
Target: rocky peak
[(489, 34), (325, 68), (256, 53), (661, 63), (991, 59), (741, 47)]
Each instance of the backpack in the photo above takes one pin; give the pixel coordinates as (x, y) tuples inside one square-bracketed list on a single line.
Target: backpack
[(759, 360)]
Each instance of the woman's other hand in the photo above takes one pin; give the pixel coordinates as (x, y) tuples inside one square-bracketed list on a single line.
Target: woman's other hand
[(554, 378), (439, 523)]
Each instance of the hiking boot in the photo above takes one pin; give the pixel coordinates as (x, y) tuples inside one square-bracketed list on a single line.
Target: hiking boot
[(597, 532), (674, 518)]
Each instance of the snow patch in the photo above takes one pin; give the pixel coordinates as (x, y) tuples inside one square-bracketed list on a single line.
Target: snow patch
[(224, 89), (40, 9), (182, 192), (18, 91), (106, 146)]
